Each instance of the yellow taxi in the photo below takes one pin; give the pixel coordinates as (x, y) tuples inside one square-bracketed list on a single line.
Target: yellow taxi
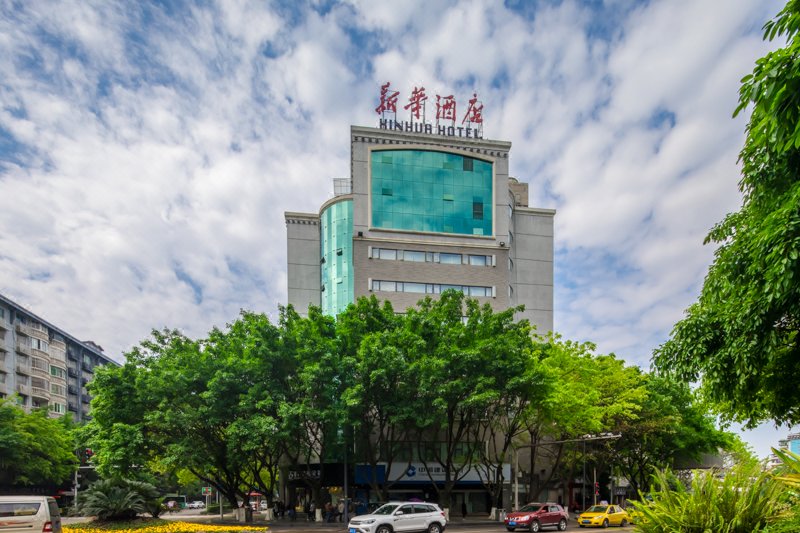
[(604, 516)]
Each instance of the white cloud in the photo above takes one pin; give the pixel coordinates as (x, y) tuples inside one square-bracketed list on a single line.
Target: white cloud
[(154, 150)]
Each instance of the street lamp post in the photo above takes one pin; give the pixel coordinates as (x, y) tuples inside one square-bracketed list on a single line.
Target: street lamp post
[(582, 439)]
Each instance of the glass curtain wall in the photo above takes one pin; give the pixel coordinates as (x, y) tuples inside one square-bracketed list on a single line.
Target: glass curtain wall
[(429, 191), (336, 243)]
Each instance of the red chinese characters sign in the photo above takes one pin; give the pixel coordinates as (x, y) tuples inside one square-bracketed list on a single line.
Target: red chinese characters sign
[(446, 114)]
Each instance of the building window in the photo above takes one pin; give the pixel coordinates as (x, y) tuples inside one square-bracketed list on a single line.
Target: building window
[(477, 210), (429, 288), (480, 260), (431, 191), (39, 344), (414, 287), (57, 372), (59, 390), (450, 259), (59, 408), (413, 255), (385, 253)]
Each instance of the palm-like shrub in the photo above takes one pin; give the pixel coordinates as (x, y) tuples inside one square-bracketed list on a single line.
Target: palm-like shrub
[(741, 501), (119, 499), (789, 472)]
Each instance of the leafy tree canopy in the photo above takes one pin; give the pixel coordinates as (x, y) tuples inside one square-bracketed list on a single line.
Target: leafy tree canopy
[(741, 339), (34, 448)]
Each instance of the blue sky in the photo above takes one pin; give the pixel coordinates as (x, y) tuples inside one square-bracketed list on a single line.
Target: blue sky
[(148, 150)]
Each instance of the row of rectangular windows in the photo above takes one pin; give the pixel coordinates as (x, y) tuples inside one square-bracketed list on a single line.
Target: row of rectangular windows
[(429, 288), (417, 256)]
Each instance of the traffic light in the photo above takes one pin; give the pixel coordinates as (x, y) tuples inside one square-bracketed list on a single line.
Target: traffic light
[(596, 488), (88, 453)]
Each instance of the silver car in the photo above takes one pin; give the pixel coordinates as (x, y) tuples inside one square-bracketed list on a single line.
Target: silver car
[(400, 517)]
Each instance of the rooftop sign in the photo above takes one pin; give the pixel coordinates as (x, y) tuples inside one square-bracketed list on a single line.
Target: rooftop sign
[(471, 125)]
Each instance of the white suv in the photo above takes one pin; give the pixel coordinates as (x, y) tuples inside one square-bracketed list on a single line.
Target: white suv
[(399, 517)]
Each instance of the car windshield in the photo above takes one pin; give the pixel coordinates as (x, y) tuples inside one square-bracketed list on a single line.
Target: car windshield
[(386, 509), (597, 509), (531, 507)]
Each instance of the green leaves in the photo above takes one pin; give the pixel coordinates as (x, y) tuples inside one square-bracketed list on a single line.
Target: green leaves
[(741, 338), (741, 500), (34, 448)]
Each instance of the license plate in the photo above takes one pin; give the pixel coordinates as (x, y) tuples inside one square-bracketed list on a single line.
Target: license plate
[(512, 523), (585, 522)]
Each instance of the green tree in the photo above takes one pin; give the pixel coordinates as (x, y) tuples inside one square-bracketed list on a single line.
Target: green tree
[(521, 385), (741, 339), (186, 398), (454, 369), (376, 401), (591, 394), (672, 429), (34, 448), (313, 411)]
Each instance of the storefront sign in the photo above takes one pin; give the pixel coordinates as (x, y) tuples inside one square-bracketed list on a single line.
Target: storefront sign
[(419, 473)]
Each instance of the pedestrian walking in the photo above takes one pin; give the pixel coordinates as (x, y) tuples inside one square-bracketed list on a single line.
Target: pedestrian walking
[(463, 509)]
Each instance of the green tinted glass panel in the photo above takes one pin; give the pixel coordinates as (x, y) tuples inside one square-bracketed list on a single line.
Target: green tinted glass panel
[(336, 248), (431, 191)]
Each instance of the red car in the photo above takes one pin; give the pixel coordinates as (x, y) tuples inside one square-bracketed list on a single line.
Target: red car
[(535, 516)]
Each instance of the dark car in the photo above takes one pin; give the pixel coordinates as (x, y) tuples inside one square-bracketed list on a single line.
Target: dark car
[(535, 516)]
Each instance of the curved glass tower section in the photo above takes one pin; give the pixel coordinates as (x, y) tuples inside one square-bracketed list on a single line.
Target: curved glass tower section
[(431, 191), (336, 250)]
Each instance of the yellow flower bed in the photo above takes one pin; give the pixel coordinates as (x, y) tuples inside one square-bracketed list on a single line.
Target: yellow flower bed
[(160, 527)]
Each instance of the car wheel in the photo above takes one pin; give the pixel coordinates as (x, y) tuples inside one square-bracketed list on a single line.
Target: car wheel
[(605, 523), (562, 525), (383, 529), (435, 527), (534, 526), (623, 523), (510, 528)]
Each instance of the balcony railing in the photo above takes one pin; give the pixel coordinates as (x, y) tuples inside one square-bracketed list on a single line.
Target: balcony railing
[(30, 331), (71, 372), (58, 345), (40, 367), (87, 367), (5, 325), (23, 389), (85, 400), (23, 349), (58, 355), (23, 368), (40, 353), (72, 356), (3, 387), (72, 407), (39, 392)]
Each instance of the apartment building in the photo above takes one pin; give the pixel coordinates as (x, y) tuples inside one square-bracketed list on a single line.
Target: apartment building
[(42, 365)]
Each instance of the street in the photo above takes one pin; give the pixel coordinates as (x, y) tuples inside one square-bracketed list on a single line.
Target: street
[(472, 524)]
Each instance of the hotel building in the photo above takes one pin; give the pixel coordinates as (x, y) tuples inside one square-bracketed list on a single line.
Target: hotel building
[(422, 213)]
